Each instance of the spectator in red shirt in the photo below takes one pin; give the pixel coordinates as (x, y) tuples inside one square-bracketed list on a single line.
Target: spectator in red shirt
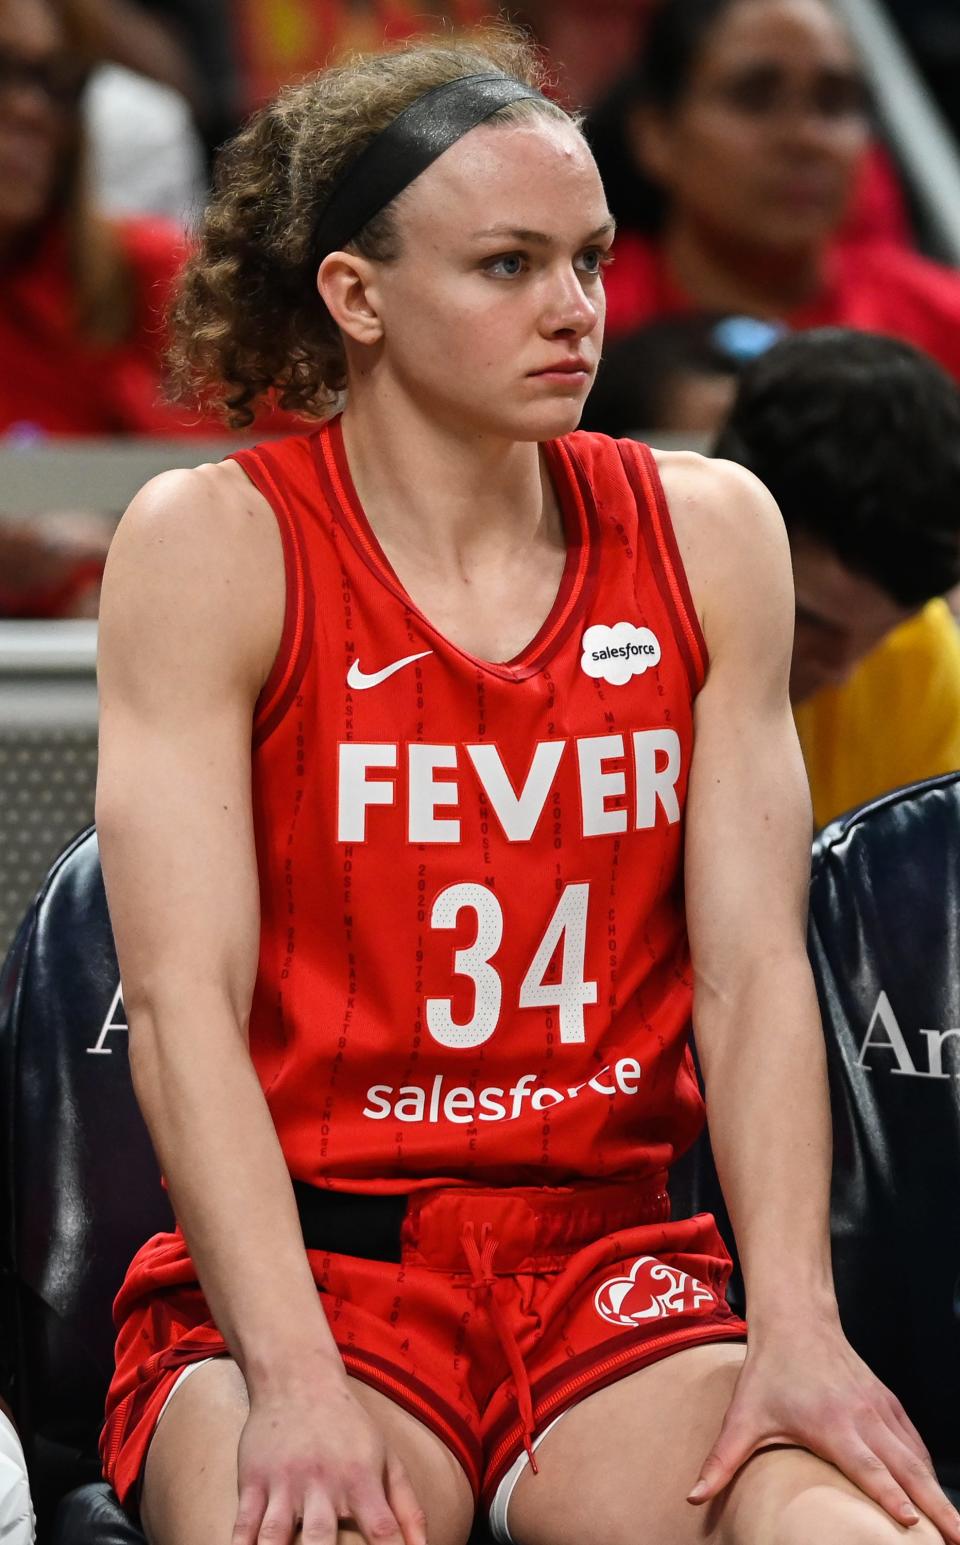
[(586, 40), (281, 43), (51, 566), (81, 299), (751, 119)]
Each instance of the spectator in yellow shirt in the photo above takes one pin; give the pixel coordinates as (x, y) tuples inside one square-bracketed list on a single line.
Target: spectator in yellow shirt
[(858, 438)]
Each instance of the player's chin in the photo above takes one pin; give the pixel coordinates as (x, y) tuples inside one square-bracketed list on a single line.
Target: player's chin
[(549, 418)]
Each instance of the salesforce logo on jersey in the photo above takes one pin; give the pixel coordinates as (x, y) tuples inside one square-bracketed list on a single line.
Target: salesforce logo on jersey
[(445, 1100), (617, 654)]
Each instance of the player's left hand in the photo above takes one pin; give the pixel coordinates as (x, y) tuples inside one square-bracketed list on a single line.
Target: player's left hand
[(808, 1388)]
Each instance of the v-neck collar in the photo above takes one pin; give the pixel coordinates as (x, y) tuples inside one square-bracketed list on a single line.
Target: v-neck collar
[(580, 524)]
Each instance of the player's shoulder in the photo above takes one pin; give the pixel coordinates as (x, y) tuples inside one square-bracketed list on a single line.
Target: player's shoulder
[(723, 502), (731, 538), (720, 501), (197, 552), (212, 509)]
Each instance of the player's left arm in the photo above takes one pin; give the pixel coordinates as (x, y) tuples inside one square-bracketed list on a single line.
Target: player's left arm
[(748, 830)]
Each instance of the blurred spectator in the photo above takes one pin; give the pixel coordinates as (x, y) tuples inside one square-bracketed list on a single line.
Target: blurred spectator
[(81, 299), (678, 374), (750, 117), (283, 39), (206, 32), (858, 439), (587, 41), (52, 565), (876, 209), (126, 32), (145, 155)]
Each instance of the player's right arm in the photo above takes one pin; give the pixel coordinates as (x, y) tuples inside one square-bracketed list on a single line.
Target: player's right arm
[(191, 616)]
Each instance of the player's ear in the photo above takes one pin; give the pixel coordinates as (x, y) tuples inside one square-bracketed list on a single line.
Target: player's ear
[(346, 285)]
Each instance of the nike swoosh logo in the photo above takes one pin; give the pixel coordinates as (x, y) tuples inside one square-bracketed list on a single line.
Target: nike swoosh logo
[(359, 680)]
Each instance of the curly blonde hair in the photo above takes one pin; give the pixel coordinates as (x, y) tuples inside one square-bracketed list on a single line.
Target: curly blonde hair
[(247, 322)]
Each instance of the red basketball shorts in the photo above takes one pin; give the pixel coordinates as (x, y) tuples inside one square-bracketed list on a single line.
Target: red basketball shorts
[(506, 1308)]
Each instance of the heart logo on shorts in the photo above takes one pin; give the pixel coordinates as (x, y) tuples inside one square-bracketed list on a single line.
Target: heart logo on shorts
[(651, 1291)]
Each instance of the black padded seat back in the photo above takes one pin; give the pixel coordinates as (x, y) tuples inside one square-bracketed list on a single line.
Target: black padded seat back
[(885, 946), (82, 1182), (82, 1192)]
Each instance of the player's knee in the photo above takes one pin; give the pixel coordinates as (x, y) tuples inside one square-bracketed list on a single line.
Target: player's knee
[(16, 1509), (822, 1513)]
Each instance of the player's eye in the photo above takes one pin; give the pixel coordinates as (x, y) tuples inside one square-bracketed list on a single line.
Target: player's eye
[(507, 266), (593, 260)]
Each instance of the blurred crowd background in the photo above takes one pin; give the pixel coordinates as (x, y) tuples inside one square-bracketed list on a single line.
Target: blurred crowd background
[(763, 193), (741, 146), (739, 143)]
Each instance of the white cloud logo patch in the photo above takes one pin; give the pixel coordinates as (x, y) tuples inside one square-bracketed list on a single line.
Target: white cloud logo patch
[(618, 653)]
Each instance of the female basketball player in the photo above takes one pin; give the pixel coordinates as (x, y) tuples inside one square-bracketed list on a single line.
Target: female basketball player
[(409, 983)]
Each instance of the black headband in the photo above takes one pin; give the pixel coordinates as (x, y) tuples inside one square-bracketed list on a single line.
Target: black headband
[(407, 146)]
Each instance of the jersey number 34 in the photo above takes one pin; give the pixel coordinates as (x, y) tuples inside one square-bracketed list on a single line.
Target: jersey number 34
[(570, 995)]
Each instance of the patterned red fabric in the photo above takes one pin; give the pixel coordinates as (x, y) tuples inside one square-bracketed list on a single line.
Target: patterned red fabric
[(588, 1284), (470, 873)]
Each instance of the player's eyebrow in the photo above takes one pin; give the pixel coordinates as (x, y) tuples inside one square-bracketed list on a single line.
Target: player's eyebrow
[(539, 238)]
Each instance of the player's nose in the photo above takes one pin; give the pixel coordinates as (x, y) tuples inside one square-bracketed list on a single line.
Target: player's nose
[(569, 309)]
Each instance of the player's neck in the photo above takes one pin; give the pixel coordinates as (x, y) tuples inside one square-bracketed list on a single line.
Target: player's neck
[(448, 497)]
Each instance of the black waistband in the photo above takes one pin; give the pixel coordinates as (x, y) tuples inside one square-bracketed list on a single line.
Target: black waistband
[(346, 1223)]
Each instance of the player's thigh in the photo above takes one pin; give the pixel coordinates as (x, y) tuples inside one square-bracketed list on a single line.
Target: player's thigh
[(617, 1469), (190, 1478), (627, 1453)]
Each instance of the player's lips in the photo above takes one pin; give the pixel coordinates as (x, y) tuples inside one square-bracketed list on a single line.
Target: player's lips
[(576, 366)]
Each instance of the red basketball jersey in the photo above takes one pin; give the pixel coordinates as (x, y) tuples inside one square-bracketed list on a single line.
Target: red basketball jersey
[(473, 957)]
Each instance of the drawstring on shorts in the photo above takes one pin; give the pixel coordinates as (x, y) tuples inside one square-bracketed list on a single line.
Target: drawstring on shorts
[(483, 1292)]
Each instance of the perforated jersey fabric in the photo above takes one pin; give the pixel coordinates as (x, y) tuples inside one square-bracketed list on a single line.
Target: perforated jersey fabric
[(474, 964)]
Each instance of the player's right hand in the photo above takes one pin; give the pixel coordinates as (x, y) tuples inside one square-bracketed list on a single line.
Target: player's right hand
[(311, 1457)]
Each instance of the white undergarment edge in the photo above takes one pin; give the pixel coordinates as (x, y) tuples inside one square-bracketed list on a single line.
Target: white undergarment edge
[(501, 1500), (181, 1378), (497, 1516), (17, 1523)]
